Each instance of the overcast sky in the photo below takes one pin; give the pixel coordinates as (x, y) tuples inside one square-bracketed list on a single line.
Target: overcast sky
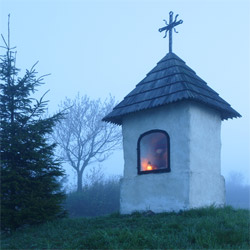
[(101, 47)]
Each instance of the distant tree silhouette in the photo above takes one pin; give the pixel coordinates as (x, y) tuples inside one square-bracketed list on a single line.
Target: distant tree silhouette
[(82, 137)]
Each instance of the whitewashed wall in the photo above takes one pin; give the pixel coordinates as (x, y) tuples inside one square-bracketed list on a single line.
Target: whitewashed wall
[(207, 186), (189, 129)]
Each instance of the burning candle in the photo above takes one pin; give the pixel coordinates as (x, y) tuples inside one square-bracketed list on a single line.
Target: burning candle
[(149, 166)]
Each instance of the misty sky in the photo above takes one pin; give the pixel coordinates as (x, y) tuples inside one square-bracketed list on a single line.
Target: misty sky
[(101, 47)]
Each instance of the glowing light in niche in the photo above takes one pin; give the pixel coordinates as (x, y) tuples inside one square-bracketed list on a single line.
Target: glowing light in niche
[(154, 151)]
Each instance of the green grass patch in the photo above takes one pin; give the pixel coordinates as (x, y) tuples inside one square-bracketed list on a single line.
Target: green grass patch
[(214, 228)]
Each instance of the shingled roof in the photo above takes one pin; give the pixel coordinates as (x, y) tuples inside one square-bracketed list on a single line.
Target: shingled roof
[(170, 81)]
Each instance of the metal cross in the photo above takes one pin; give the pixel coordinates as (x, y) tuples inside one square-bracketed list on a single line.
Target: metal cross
[(169, 28)]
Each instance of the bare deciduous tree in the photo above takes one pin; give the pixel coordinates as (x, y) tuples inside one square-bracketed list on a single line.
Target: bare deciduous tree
[(82, 137)]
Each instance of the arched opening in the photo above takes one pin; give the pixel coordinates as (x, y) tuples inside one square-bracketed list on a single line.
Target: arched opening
[(153, 149)]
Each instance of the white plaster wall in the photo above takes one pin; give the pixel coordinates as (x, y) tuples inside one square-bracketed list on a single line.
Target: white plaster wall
[(205, 139), (195, 144), (174, 119), (163, 191), (157, 192), (207, 186), (206, 190)]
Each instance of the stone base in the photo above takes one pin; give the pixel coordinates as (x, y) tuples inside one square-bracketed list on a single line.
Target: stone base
[(155, 192), (206, 190), (166, 193)]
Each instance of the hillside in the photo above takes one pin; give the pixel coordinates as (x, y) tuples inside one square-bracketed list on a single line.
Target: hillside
[(195, 229)]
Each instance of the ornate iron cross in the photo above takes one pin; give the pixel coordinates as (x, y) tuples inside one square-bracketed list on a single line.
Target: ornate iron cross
[(169, 27)]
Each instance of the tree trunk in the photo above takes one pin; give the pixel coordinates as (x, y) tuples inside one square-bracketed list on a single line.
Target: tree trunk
[(79, 181)]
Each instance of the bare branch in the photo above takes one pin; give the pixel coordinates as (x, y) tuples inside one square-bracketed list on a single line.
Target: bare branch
[(82, 136)]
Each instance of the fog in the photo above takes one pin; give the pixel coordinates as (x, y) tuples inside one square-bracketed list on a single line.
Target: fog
[(97, 47), (101, 194), (237, 191)]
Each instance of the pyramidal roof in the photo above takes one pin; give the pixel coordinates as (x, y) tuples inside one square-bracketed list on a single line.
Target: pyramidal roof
[(170, 81)]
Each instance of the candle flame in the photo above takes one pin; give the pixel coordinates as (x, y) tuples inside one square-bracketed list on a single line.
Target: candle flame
[(146, 165), (149, 167)]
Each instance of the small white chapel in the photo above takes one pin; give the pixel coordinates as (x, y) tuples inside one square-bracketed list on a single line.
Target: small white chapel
[(171, 126)]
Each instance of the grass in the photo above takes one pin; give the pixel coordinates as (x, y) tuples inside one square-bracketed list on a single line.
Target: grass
[(214, 228)]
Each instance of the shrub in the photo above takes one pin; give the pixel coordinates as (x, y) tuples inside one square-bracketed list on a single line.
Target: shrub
[(101, 197), (237, 193)]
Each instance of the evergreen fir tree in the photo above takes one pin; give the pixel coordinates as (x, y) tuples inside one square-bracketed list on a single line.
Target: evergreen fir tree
[(30, 187)]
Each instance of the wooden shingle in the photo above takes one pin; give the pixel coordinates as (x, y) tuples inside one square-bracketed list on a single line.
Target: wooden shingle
[(171, 80)]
